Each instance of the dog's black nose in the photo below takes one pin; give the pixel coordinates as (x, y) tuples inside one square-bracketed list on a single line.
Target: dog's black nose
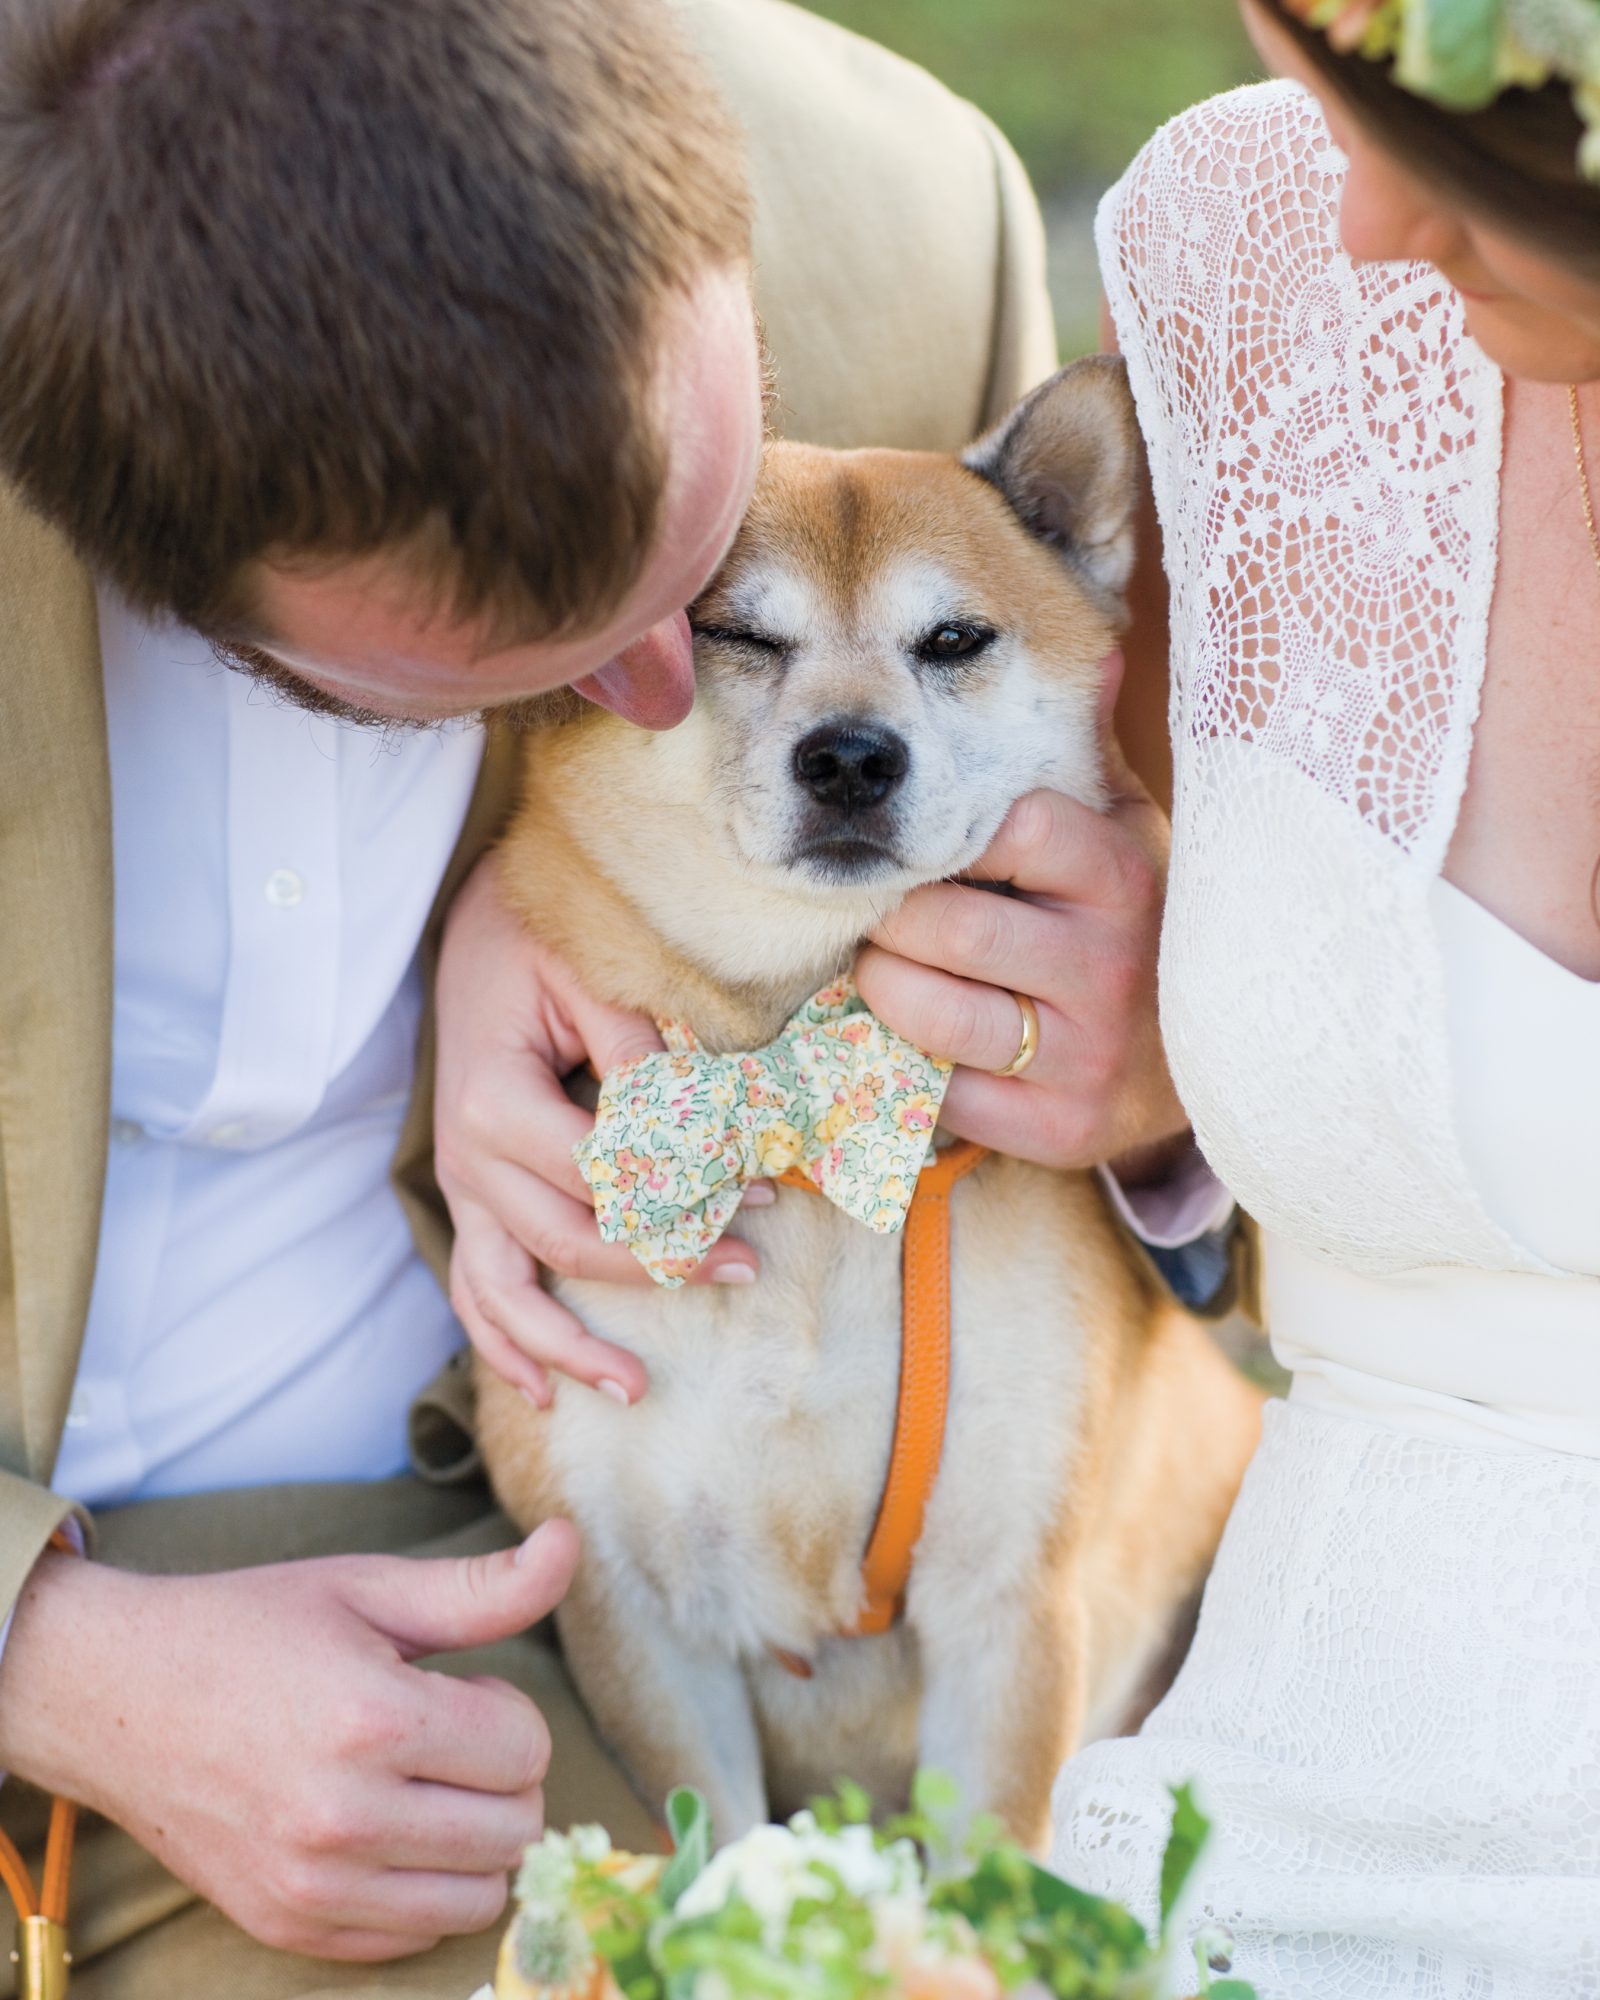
[(850, 765)]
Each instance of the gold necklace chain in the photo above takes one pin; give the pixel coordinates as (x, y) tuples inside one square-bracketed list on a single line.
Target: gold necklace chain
[(1583, 474)]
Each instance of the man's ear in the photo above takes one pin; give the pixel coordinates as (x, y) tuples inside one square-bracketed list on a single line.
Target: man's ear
[(1068, 460)]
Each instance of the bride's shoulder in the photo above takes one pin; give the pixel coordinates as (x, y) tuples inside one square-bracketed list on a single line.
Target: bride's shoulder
[(1227, 218), (1248, 177)]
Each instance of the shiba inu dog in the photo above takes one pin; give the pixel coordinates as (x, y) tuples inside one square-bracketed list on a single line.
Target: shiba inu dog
[(899, 646)]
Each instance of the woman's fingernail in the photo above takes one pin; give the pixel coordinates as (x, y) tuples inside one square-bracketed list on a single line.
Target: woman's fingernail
[(760, 1194), (532, 1395), (733, 1274), (614, 1390)]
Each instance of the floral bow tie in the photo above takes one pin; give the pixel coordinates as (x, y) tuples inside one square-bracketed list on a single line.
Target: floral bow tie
[(678, 1132)]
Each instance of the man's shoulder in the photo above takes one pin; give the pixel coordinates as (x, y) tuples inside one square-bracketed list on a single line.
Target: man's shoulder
[(895, 230), (771, 54)]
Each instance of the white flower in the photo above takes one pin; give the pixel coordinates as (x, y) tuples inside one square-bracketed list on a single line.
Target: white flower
[(775, 1867), (545, 1879), (590, 1843), (551, 1950)]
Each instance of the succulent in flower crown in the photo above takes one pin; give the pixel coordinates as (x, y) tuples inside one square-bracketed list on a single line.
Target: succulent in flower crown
[(1463, 53), (830, 1907)]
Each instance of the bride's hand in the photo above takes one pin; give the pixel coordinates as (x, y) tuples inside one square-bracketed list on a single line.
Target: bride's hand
[(513, 1022), (1079, 936)]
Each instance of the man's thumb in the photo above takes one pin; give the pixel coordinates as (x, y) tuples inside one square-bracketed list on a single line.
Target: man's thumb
[(447, 1605)]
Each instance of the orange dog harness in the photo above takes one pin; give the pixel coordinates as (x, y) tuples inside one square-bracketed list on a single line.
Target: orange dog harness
[(924, 1392)]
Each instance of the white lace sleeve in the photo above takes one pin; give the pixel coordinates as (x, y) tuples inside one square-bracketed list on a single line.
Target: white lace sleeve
[(1324, 451), (1167, 235)]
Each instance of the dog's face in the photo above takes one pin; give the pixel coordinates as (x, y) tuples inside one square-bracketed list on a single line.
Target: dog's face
[(902, 644)]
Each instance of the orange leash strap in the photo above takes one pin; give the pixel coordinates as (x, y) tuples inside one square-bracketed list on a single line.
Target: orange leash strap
[(41, 1955), (924, 1389)]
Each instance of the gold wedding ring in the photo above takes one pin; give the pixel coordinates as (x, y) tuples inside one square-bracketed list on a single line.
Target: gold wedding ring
[(1028, 1047)]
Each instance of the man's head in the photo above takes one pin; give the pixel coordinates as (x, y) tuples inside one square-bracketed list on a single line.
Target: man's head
[(407, 347)]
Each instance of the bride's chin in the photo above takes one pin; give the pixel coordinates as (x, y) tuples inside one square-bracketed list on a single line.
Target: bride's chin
[(1531, 343)]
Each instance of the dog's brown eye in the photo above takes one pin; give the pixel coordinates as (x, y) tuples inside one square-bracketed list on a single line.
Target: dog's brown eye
[(954, 642)]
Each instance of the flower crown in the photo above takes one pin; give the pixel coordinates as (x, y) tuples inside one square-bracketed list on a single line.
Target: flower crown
[(1463, 53)]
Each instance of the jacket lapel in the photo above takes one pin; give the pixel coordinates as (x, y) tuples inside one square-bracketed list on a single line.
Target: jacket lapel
[(55, 977)]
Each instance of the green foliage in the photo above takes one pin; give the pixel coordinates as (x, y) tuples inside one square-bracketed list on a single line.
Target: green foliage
[(1451, 54), (1189, 1829), (795, 1914), (820, 1958), (689, 1823), (849, 1805), (618, 1921), (1034, 1926), (935, 1795), (1077, 85)]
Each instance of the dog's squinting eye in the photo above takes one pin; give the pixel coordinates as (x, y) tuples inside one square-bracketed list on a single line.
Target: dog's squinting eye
[(954, 642), (739, 636)]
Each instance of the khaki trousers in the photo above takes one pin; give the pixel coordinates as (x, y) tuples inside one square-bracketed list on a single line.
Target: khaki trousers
[(137, 1932)]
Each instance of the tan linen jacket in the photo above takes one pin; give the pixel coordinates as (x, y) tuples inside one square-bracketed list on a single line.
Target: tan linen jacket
[(900, 276)]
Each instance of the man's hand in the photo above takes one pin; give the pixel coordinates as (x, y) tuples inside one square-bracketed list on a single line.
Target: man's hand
[(1079, 935), (265, 1735), (512, 1023)]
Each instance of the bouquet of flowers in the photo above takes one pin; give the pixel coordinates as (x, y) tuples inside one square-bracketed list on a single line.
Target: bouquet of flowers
[(831, 1908)]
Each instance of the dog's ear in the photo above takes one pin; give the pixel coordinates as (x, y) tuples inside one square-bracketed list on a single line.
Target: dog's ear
[(1069, 461)]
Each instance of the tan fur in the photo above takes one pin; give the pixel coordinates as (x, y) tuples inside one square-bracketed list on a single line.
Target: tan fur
[(1095, 1435), (842, 514)]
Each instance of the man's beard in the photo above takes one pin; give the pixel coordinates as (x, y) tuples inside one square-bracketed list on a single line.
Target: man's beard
[(530, 711), (287, 687)]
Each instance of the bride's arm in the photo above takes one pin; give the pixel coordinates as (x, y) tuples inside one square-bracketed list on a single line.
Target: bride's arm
[(1165, 1194)]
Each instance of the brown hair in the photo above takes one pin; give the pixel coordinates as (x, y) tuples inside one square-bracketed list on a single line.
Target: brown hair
[(1515, 163), (318, 277)]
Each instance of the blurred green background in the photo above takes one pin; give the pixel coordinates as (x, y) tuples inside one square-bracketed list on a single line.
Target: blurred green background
[(1077, 86)]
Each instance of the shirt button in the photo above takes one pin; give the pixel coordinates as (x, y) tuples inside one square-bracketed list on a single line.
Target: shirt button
[(234, 1133), (80, 1411), (126, 1131), (284, 888)]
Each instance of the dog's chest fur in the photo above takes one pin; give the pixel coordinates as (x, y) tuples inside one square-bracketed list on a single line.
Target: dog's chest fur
[(734, 1504), (745, 1485)]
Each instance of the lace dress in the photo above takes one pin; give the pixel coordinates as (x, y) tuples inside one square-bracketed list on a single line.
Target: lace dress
[(1393, 1702)]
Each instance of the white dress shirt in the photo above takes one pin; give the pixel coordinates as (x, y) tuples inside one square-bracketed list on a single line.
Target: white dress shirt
[(259, 1311)]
